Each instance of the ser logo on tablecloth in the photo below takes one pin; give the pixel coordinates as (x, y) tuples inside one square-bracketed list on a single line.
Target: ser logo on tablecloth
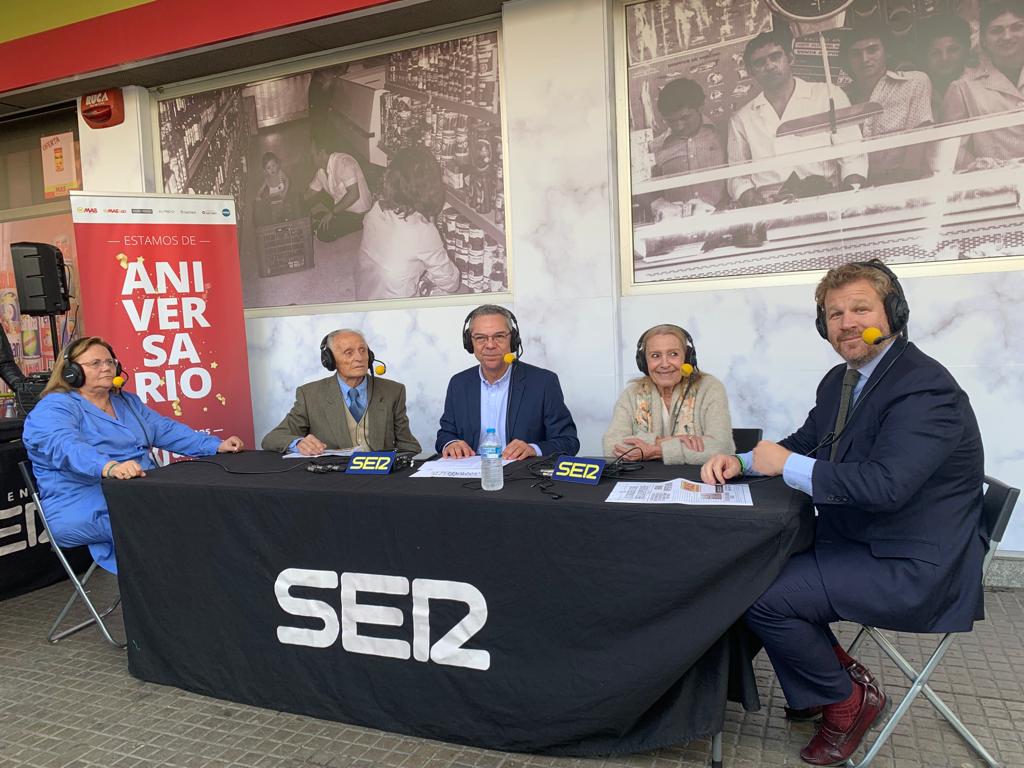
[(448, 650), (26, 532)]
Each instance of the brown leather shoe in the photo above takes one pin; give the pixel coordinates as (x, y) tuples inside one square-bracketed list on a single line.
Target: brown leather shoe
[(855, 670), (832, 746)]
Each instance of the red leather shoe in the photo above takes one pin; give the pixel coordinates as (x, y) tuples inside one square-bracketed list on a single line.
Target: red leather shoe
[(859, 672), (807, 715), (832, 746), (855, 670)]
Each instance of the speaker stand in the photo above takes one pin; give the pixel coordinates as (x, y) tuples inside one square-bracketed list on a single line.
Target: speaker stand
[(53, 336)]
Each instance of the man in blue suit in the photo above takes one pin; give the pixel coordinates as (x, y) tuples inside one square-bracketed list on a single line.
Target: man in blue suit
[(523, 403), (892, 456)]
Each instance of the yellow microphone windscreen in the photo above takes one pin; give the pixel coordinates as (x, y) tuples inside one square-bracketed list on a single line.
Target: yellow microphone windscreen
[(871, 335), (380, 369), (118, 381), (510, 357), (686, 369)]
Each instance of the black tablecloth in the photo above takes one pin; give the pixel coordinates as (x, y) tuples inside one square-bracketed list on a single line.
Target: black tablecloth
[(609, 627)]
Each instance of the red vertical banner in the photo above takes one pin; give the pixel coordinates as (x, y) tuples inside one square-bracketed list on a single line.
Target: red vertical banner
[(160, 281)]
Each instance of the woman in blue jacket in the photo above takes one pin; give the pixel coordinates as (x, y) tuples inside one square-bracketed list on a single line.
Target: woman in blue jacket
[(84, 429)]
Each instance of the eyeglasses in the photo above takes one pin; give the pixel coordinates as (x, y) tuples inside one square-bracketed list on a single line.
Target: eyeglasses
[(498, 338), (108, 363)]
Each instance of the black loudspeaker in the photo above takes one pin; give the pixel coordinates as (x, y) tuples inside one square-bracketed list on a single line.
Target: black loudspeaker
[(40, 278)]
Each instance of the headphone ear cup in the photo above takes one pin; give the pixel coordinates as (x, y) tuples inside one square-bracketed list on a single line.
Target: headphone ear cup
[(516, 341), (897, 310), (641, 361), (326, 356), (641, 355), (691, 349), (820, 324), (118, 369), (73, 374), (467, 342)]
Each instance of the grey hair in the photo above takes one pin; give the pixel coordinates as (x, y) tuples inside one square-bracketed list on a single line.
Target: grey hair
[(489, 309), (332, 334)]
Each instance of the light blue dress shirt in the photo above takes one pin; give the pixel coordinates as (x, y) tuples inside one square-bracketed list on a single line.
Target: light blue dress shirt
[(494, 405), (799, 469), (360, 388), (494, 409)]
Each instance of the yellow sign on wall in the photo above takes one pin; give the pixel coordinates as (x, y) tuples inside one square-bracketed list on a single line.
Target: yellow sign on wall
[(60, 173), (21, 18)]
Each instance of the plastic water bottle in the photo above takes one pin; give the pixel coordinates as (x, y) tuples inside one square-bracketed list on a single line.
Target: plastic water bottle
[(492, 474)]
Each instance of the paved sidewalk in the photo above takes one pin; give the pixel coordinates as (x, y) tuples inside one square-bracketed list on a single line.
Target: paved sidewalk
[(74, 705)]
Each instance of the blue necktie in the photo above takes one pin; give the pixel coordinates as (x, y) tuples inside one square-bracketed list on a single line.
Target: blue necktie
[(354, 406)]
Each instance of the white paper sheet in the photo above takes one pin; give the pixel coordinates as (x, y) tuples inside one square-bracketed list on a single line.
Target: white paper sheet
[(468, 467), (681, 491), (330, 452)]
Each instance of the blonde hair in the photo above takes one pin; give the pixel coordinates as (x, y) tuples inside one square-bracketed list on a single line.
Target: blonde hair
[(668, 329), (56, 382)]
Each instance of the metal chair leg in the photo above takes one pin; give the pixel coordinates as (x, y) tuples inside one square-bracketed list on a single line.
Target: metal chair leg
[(81, 593), (79, 585), (716, 750), (857, 640), (919, 684)]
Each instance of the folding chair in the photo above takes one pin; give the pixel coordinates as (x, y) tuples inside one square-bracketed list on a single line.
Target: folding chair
[(746, 439), (996, 510), (80, 590)]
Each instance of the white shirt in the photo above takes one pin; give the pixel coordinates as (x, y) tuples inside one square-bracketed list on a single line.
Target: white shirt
[(343, 172), (752, 137), (395, 251)]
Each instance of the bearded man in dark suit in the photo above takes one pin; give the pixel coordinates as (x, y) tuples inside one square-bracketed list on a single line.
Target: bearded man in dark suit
[(892, 456)]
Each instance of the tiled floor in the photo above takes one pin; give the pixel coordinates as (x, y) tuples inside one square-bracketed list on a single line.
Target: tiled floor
[(73, 705)]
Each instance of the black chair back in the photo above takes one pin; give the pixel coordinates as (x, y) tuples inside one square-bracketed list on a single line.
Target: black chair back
[(746, 439), (1000, 499), (26, 475)]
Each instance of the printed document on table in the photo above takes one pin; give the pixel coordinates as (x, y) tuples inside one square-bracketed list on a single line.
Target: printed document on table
[(329, 452), (680, 491), (468, 467)]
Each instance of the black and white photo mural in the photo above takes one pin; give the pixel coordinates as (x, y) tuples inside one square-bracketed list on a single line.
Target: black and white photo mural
[(773, 137)]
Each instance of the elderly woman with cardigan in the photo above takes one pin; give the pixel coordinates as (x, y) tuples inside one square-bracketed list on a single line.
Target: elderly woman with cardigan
[(675, 412)]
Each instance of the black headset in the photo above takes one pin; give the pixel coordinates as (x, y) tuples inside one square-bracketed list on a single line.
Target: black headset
[(690, 356), (327, 356), (74, 374), (897, 310), (515, 343)]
